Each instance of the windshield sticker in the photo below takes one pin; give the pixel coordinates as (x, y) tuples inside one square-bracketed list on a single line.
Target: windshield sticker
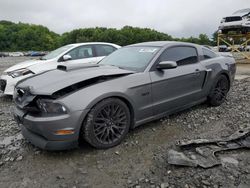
[(151, 50)]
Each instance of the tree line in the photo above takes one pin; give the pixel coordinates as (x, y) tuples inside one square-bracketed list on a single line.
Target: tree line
[(24, 37)]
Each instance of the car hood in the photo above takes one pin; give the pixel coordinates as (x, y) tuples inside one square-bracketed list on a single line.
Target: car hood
[(49, 82), (25, 64)]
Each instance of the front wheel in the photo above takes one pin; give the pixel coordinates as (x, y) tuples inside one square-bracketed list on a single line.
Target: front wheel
[(106, 124), (219, 91)]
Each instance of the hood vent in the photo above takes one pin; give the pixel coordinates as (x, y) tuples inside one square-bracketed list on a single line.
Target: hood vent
[(75, 67)]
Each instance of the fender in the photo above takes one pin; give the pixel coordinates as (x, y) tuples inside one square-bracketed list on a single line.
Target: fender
[(122, 96)]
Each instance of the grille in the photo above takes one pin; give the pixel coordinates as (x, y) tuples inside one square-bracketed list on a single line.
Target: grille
[(2, 85), (233, 19)]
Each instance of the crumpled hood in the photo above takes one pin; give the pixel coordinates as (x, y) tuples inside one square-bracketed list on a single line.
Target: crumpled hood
[(52, 81), (24, 64)]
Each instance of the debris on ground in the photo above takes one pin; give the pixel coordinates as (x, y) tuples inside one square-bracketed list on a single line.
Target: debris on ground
[(203, 152)]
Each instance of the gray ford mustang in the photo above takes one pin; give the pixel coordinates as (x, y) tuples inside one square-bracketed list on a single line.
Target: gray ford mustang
[(99, 103)]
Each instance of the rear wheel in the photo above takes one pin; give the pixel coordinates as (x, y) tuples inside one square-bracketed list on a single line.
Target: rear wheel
[(107, 123), (219, 91)]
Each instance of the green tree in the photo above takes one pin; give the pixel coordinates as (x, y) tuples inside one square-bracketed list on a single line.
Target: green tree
[(21, 37)]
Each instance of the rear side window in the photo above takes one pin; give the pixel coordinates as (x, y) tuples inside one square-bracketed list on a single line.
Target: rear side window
[(104, 50), (208, 54), (182, 55)]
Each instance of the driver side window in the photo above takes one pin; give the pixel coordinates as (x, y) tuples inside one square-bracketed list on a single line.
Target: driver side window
[(182, 55), (81, 52)]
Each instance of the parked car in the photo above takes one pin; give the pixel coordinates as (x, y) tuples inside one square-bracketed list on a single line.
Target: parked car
[(16, 54), (136, 84), (223, 48), (35, 54), (3, 54), (71, 54), (247, 48), (239, 21)]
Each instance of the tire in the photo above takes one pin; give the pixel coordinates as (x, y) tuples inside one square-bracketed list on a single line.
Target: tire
[(219, 91), (107, 124)]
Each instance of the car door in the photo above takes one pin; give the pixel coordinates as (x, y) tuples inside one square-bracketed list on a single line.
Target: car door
[(175, 88), (82, 54), (103, 50)]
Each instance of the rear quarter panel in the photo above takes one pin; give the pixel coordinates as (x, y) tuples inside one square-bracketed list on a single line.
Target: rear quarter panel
[(217, 66)]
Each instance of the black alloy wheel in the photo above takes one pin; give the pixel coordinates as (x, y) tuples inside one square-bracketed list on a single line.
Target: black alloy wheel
[(107, 123), (219, 92)]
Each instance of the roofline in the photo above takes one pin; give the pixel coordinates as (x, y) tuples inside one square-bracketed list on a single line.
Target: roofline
[(91, 43), (163, 43)]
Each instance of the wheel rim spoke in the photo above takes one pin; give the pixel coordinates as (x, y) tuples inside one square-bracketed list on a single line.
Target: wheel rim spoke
[(110, 123), (221, 90)]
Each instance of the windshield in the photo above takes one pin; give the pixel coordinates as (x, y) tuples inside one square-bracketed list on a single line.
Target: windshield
[(242, 11), (131, 58), (56, 52)]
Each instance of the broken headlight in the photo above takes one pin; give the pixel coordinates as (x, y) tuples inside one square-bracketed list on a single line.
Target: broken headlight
[(50, 107), (19, 72)]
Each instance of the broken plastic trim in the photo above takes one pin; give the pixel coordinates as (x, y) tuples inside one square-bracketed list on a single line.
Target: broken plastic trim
[(86, 83), (22, 97), (202, 152)]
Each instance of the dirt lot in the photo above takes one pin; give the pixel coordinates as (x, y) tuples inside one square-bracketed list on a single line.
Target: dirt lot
[(141, 160)]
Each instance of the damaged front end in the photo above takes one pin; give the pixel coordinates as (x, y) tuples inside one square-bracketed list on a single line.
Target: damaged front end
[(44, 121), (49, 114), (36, 105)]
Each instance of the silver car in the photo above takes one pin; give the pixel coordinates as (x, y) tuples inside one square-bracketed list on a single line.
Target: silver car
[(136, 84)]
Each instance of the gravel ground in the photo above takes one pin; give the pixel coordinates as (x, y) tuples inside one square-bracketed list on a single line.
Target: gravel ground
[(140, 161)]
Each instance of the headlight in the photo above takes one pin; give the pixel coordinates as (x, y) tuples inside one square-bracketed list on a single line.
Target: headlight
[(50, 107), (19, 72)]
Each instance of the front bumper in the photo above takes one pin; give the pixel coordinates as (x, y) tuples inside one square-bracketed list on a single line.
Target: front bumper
[(41, 131), (42, 143), (234, 26)]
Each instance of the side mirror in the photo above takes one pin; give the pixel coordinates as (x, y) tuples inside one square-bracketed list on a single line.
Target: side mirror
[(67, 57), (166, 65)]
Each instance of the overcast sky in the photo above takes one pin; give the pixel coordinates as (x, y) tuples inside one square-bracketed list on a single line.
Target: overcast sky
[(180, 18)]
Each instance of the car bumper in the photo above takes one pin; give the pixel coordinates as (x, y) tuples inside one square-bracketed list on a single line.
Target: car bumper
[(10, 83), (237, 26), (42, 143), (43, 131)]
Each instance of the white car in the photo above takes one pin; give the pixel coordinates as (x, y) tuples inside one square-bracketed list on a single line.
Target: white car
[(239, 21), (16, 54), (73, 53), (247, 48)]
